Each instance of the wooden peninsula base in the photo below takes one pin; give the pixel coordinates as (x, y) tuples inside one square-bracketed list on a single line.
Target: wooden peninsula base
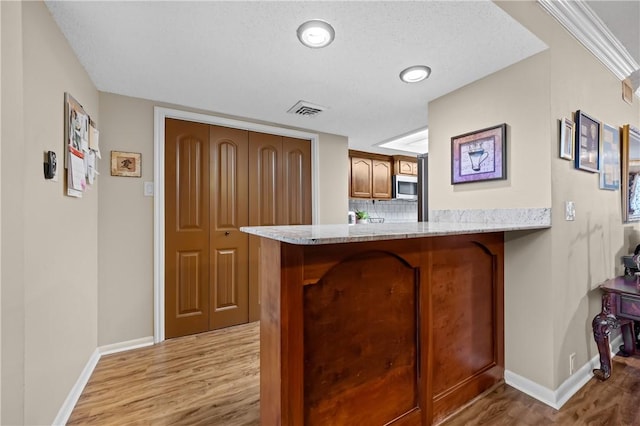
[(384, 332)]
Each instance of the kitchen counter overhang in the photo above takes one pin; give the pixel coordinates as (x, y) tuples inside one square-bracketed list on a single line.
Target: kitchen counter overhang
[(337, 234), (391, 324)]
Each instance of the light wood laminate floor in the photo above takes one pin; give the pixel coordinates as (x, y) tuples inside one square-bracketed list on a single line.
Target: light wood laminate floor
[(213, 379), (206, 379)]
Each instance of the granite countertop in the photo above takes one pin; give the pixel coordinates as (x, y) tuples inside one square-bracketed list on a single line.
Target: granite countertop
[(332, 234)]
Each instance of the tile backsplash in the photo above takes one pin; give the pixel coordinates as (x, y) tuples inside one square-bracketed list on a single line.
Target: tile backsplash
[(392, 211)]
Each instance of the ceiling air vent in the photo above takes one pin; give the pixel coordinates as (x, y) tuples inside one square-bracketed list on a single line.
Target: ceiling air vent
[(306, 109)]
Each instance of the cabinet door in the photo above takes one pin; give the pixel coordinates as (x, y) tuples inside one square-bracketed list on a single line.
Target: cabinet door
[(361, 177), (404, 167), (414, 169), (381, 181)]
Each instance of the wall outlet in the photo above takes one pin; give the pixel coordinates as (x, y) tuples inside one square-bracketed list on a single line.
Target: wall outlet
[(572, 363), (569, 210)]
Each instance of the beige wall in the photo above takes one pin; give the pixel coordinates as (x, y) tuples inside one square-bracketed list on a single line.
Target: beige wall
[(549, 275), (12, 311), (126, 270), (518, 97), (0, 216), (125, 265), (334, 179), (49, 300)]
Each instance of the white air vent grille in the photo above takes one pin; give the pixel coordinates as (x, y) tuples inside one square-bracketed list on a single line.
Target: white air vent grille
[(306, 109)]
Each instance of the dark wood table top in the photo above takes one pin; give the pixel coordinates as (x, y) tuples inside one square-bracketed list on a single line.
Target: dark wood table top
[(623, 284)]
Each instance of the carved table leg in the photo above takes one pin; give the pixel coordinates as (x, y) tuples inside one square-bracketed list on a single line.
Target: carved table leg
[(602, 324)]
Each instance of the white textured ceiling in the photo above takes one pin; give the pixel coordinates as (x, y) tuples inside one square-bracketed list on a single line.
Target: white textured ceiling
[(243, 58)]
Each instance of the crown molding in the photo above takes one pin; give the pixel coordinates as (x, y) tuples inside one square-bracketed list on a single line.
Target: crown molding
[(583, 23)]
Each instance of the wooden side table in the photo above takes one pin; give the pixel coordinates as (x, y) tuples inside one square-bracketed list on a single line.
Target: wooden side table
[(620, 307)]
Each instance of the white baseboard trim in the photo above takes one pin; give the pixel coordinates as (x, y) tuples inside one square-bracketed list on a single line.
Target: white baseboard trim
[(71, 400), (126, 346), (557, 398), (74, 394)]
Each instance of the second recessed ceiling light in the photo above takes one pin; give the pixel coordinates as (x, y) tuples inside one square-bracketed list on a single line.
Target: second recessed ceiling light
[(316, 33), (415, 73)]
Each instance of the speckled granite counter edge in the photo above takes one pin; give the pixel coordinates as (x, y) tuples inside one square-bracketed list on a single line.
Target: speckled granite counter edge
[(540, 216), (443, 222)]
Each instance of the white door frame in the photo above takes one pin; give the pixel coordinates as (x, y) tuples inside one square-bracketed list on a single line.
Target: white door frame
[(159, 115)]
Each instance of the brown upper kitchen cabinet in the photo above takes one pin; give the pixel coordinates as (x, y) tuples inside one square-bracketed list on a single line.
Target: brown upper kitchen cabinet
[(369, 175), (405, 165)]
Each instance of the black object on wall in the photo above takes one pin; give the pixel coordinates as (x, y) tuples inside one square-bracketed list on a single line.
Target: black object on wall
[(50, 164)]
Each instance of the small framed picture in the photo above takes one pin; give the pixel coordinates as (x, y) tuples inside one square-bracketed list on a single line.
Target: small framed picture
[(479, 155), (587, 142), (566, 138), (128, 164), (610, 158)]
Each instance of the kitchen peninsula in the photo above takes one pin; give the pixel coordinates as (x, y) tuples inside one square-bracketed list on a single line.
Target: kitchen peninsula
[(379, 324)]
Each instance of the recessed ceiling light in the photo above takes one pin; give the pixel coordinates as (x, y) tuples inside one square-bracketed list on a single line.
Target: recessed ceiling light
[(316, 33), (415, 73)]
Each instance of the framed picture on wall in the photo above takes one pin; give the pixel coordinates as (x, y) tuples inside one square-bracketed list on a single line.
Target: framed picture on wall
[(630, 173), (566, 140), (480, 155), (610, 158), (128, 164), (587, 142)]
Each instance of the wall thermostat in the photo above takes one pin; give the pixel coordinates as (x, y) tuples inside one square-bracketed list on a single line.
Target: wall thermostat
[(50, 165)]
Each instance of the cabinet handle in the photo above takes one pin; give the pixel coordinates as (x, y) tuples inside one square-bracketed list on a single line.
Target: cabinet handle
[(226, 233)]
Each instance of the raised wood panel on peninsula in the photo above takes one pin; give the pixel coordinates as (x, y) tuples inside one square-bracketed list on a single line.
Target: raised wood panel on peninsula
[(371, 359), (396, 332)]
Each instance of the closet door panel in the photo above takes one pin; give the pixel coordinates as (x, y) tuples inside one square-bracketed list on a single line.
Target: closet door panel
[(229, 211), (186, 228), (265, 197), (296, 182)]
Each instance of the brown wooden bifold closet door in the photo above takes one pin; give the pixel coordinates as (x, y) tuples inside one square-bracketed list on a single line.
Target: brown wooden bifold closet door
[(218, 179), (187, 228), (279, 194), (229, 201), (296, 182), (279, 180), (206, 255)]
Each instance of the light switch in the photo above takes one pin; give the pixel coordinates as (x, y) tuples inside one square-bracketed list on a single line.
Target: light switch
[(569, 210), (148, 189)]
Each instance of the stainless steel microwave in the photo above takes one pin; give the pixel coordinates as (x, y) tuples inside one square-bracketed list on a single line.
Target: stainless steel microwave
[(405, 187)]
